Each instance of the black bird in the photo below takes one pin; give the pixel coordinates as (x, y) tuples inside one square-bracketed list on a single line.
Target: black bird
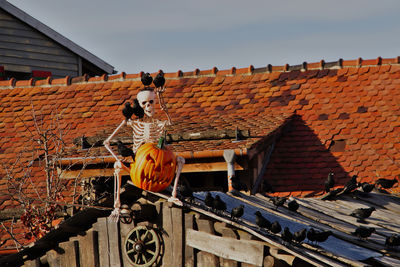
[(237, 212), (386, 183), (300, 235), (146, 79), (367, 187), (293, 205), (362, 213), (185, 190), (261, 221), (278, 201), (393, 240), (330, 182), (350, 185), (322, 236), (137, 109), (238, 185), (218, 204), (125, 151), (128, 111), (332, 194), (276, 227), (209, 200), (311, 235), (286, 235), (363, 232), (159, 80)]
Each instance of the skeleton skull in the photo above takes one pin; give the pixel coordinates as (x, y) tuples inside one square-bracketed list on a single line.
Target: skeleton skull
[(146, 101)]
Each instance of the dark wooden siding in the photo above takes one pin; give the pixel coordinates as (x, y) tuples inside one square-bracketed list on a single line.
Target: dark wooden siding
[(23, 49)]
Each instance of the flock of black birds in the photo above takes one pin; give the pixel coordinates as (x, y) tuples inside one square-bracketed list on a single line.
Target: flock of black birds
[(352, 185), (361, 214), (217, 205), (314, 236)]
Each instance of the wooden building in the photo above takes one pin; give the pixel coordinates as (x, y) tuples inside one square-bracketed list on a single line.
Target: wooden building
[(30, 49), (154, 232), (286, 127)]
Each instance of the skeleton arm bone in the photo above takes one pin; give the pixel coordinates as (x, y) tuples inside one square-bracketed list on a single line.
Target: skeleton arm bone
[(107, 146), (107, 141), (160, 97)]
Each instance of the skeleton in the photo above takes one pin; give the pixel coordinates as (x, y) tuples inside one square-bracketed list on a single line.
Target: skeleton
[(146, 130)]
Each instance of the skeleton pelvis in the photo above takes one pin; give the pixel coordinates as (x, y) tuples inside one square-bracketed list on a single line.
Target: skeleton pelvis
[(154, 168)]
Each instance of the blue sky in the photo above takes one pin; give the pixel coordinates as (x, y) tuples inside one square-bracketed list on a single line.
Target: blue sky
[(173, 35)]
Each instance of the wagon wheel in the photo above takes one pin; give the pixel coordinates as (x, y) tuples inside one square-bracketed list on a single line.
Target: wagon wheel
[(142, 246)]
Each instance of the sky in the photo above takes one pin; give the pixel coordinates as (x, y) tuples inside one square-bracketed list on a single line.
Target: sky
[(174, 35)]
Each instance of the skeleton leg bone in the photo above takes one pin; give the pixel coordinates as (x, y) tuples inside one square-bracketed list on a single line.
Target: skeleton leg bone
[(114, 216), (173, 198)]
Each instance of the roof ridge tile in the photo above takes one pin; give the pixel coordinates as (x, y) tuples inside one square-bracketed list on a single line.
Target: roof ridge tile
[(383, 64)]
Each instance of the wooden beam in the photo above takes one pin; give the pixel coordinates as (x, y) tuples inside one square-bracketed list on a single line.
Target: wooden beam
[(208, 167), (239, 250), (107, 172)]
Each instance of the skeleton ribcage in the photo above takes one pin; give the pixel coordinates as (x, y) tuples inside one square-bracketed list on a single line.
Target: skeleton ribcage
[(146, 132)]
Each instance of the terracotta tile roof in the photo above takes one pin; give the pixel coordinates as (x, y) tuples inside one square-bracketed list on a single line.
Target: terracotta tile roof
[(350, 104)]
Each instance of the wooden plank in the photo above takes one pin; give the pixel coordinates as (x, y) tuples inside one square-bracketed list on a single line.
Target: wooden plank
[(342, 210), (88, 173), (205, 259), (26, 41), (70, 258), (340, 228), (208, 167), (227, 232), (205, 225), (225, 247), (177, 236), (270, 261), (26, 33), (189, 251), (282, 255), (381, 216), (32, 263), (391, 203), (107, 172), (11, 52), (113, 243), (101, 227), (167, 225), (38, 63), (55, 73), (53, 258), (88, 249)]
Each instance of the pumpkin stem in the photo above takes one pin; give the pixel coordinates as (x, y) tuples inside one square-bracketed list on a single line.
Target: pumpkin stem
[(161, 142)]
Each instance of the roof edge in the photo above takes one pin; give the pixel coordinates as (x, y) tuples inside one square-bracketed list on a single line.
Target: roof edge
[(214, 72)]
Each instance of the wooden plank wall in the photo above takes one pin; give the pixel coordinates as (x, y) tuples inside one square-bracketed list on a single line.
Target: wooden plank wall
[(23, 49), (187, 238)]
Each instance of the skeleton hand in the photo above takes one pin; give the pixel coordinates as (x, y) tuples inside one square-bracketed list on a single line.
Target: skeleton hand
[(160, 90), (106, 143), (118, 164)]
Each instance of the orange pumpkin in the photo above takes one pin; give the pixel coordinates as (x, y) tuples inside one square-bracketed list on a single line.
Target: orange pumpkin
[(154, 167)]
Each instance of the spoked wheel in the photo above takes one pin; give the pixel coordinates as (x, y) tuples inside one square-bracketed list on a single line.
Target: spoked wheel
[(142, 246)]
